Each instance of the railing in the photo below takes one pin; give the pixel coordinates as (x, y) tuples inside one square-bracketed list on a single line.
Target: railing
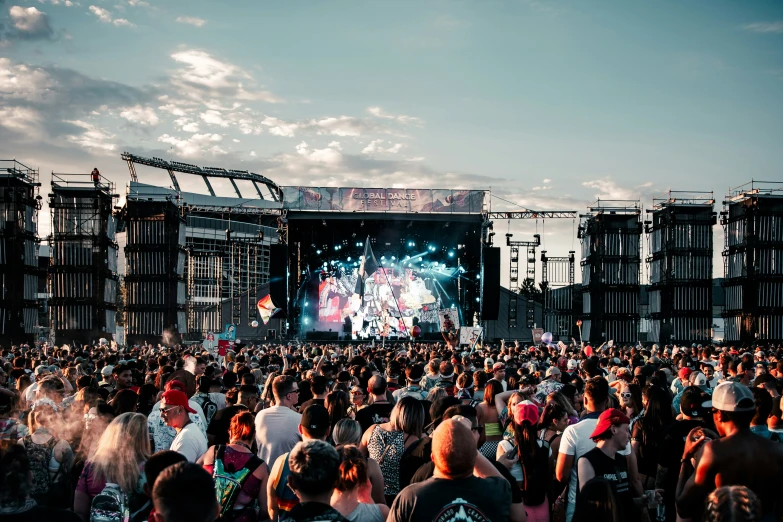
[(15, 169), (82, 181)]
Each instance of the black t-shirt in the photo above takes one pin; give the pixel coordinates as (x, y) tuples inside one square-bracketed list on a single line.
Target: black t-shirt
[(311, 402), (670, 449), (221, 421), (441, 500), (377, 413), (615, 470), (40, 513), (427, 470)]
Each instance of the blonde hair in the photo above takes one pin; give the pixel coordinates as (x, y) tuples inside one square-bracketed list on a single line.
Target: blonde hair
[(121, 449), (347, 431)]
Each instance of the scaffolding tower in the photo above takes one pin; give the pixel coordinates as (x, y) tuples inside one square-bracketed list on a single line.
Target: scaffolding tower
[(680, 267), (83, 282), (528, 283), (154, 271), (557, 285), (20, 202), (752, 219), (611, 259)]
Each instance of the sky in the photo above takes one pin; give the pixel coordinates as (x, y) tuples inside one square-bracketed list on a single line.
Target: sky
[(548, 104)]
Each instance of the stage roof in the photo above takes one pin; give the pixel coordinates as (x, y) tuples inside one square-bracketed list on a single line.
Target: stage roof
[(382, 200)]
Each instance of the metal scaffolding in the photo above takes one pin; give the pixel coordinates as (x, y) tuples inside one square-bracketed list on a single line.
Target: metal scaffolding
[(752, 219), (83, 282), (557, 285), (680, 267), (154, 270), (527, 283), (611, 258), (19, 205)]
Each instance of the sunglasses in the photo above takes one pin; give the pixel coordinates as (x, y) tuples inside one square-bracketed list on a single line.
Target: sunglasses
[(165, 411), (625, 395)]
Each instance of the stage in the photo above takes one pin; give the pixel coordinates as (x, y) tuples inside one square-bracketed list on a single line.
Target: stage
[(425, 249)]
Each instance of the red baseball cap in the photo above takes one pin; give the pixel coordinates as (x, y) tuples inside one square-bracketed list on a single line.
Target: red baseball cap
[(609, 418), (524, 411), (177, 398), (685, 374)]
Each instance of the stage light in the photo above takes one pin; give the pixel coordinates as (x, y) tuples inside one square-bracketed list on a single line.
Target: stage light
[(337, 247), (392, 264), (394, 258), (318, 251), (361, 243), (435, 263), (305, 303), (451, 253), (383, 258), (462, 270), (349, 258), (325, 265), (411, 244), (478, 276), (306, 321), (355, 263), (478, 299)]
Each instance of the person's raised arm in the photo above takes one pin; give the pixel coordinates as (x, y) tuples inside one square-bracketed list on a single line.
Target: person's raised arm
[(484, 468), (694, 485), (501, 400)]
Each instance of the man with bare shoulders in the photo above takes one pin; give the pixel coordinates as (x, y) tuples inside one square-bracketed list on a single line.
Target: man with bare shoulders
[(739, 457)]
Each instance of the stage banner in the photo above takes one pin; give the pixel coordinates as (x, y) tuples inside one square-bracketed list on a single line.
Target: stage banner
[(355, 199), (537, 334), (370, 200), (469, 334), (312, 198)]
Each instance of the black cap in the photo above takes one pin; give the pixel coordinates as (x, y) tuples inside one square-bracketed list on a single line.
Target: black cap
[(315, 418), (691, 401)]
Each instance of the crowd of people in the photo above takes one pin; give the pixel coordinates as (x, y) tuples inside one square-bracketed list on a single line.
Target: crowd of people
[(404, 432)]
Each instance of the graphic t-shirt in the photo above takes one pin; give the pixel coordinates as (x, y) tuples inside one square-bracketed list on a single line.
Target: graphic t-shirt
[(441, 500), (377, 413)]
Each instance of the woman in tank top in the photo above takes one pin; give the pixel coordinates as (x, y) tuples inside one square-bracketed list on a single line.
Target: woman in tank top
[(352, 493)]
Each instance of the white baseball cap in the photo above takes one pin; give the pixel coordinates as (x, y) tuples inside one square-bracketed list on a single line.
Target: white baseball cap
[(731, 396)]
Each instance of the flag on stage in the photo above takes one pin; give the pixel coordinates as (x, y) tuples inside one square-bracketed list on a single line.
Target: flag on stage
[(266, 307), (367, 268)]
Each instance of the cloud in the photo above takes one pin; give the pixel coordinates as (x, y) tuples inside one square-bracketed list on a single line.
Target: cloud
[(196, 145), (191, 20), (102, 14), (26, 24), (144, 116), (376, 147), (765, 27), (105, 16), (92, 137), (608, 189), (202, 76), (328, 155), (402, 118), (278, 127)]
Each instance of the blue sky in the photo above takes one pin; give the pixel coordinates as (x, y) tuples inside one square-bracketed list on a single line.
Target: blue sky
[(549, 104)]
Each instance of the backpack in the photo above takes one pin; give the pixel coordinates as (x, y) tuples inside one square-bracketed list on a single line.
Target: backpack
[(39, 456), (110, 505), (209, 407), (229, 482)]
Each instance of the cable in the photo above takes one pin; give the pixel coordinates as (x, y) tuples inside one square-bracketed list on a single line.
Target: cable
[(511, 203)]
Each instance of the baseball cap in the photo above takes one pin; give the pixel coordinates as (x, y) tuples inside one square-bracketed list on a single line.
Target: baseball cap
[(315, 417), (41, 369), (177, 398), (498, 366), (525, 411), (684, 373), (731, 396), (698, 379), (691, 401), (609, 418), (553, 370), (106, 370), (572, 364), (488, 362)]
